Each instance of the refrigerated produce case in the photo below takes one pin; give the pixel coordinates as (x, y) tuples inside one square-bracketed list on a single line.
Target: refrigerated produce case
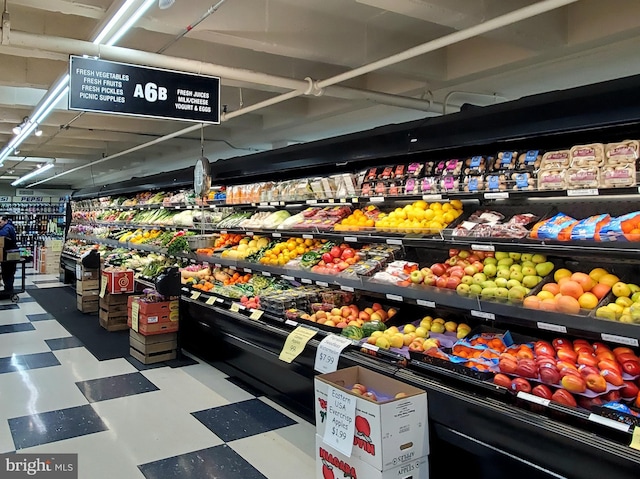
[(515, 434)]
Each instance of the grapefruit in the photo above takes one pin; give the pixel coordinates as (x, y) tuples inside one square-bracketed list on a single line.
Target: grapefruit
[(583, 280), (571, 288), (568, 304), (600, 290), (553, 288), (531, 302), (548, 304)]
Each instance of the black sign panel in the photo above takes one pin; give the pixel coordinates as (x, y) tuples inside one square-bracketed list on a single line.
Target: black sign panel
[(111, 87)]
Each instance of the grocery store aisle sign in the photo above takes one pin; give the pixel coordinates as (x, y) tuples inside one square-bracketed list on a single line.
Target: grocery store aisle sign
[(119, 88)]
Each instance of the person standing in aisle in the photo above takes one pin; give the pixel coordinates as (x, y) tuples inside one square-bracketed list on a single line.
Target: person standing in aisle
[(8, 268)]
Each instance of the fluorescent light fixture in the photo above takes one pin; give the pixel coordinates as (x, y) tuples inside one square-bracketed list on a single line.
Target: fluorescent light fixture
[(164, 4), (115, 19), (30, 175), (62, 86), (132, 20)]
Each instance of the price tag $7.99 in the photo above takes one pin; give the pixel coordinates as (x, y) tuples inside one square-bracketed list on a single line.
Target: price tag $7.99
[(328, 353)]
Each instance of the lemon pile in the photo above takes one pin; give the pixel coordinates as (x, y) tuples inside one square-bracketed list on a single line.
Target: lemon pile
[(290, 249), (420, 217)]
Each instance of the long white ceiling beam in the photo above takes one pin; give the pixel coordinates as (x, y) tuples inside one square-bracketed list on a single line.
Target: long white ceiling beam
[(80, 47)]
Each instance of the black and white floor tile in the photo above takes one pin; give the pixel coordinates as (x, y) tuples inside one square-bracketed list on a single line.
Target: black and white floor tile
[(162, 422)]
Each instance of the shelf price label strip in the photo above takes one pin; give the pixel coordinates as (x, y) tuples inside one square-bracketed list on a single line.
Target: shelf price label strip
[(328, 353), (605, 421), (295, 343)]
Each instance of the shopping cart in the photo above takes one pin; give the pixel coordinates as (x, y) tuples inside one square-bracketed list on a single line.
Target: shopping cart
[(13, 295)]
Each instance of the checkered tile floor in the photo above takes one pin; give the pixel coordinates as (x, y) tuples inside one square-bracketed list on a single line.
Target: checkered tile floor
[(164, 423)]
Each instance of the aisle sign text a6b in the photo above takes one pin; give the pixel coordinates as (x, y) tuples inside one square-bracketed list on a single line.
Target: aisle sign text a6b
[(112, 87)]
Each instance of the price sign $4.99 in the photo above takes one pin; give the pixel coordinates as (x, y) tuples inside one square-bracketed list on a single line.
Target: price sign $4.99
[(328, 353)]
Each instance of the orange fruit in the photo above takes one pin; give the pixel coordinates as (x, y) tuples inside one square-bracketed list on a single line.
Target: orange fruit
[(553, 288), (600, 290), (531, 302), (588, 301), (571, 288), (568, 304), (583, 280), (548, 304)]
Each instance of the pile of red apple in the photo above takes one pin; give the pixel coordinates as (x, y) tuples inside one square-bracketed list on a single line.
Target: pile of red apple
[(449, 274), (336, 260), (578, 367)]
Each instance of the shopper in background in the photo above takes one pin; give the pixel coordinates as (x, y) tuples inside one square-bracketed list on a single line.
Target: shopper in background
[(8, 268)]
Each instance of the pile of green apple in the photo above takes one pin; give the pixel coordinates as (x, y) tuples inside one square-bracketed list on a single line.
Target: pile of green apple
[(505, 276)]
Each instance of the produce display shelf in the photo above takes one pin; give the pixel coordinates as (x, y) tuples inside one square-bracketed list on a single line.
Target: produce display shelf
[(627, 250), (444, 196), (588, 326)]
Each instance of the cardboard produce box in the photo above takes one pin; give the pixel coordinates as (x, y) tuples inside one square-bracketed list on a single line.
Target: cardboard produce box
[(387, 433), (119, 281), (155, 323), (333, 464)]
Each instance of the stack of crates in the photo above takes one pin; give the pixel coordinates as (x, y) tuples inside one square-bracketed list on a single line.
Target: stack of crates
[(116, 289), (153, 337), (87, 289)]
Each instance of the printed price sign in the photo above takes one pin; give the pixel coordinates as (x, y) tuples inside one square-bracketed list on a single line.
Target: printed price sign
[(341, 413), (103, 286), (195, 295), (328, 353), (135, 310), (256, 314), (635, 441), (211, 301), (295, 343)]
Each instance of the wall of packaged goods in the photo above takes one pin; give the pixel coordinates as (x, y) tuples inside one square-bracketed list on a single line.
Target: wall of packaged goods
[(503, 281)]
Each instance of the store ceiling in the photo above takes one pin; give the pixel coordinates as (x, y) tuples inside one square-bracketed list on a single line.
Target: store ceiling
[(584, 42)]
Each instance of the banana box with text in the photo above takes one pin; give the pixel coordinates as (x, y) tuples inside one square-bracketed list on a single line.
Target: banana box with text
[(387, 432), (331, 464)]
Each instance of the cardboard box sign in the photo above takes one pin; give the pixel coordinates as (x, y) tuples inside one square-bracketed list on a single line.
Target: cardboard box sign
[(333, 464), (387, 433), (119, 281)]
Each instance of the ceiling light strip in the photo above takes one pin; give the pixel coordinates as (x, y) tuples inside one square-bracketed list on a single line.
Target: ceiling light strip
[(62, 86), (30, 175), (132, 20), (114, 20)]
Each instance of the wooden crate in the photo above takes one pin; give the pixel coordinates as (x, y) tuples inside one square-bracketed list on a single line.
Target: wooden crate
[(153, 349), (113, 321), (114, 300), (87, 304), (111, 325)]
